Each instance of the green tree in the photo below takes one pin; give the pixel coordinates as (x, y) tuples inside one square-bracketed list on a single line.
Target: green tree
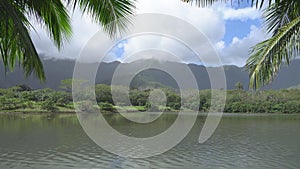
[(239, 86), (103, 93), (60, 98), (107, 107), (66, 85), (16, 44), (173, 100), (49, 105), (24, 87), (139, 97)]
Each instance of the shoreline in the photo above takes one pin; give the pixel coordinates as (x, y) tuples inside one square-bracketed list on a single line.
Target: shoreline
[(41, 112)]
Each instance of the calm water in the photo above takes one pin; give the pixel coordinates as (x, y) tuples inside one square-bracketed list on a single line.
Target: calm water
[(241, 141)]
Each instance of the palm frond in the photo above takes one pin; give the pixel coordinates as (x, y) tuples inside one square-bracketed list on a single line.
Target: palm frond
[(54, 16), (267, 57), (112, 14), (205, 3), (259, 3), (279, 14), (15, 42)]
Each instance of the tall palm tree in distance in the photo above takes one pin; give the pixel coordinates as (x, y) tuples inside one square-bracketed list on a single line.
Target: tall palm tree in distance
[(282, 21), (16, 46)]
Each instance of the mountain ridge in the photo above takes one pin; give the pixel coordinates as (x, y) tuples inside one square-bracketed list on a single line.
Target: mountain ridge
[(57, 70)]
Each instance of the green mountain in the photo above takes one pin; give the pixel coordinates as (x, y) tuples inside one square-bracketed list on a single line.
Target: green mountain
[(57, 70)]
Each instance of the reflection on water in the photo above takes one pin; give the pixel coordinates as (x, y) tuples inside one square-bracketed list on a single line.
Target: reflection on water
[(40, 141)]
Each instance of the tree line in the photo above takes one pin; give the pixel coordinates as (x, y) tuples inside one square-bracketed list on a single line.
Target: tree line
[(23, 99)]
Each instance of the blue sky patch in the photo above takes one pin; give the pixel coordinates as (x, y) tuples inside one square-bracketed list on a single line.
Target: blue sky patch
[(238, 28)]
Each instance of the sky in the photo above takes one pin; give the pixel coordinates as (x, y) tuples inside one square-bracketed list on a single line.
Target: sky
[(231, 28)]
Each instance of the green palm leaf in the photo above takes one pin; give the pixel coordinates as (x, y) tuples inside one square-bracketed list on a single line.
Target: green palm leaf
[(204, 3), (53, 16), (267, 57), (112, 14), (279, 14), (15, 41)]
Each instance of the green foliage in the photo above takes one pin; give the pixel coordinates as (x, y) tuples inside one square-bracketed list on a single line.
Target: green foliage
[(107, 107), (239, 86), (103, 93), (139, 97), (191, 100), (269, 101), (87, 106), (38, 95), (61, 98), (24, 87), (173, 100), (11, 103), (20, 97), (49, 106), (29, 104), (66, 84)]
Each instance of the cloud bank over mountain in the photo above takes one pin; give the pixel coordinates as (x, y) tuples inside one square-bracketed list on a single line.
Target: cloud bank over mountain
[(212, 21)]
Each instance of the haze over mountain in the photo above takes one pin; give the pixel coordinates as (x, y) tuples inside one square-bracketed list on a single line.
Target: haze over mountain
[(57, 70)]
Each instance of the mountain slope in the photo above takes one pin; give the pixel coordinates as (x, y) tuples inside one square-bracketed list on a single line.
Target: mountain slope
[(57, 70)]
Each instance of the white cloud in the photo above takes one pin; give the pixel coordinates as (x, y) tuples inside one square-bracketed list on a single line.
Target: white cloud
[(210, 21), (156, 47), (220, 45), (237, 51), (83, 29), (207, 20), (243, 14)]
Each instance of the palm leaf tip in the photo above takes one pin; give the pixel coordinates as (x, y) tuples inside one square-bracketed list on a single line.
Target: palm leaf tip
[(54, 17), (114, 15)]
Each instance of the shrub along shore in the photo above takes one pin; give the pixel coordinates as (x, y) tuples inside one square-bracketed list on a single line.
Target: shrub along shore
[(22, 99)]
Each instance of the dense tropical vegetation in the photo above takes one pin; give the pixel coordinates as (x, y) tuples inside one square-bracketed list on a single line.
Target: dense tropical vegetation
[(22, 98)]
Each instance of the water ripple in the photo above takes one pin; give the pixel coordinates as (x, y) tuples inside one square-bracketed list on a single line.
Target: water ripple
[(237, 143)]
